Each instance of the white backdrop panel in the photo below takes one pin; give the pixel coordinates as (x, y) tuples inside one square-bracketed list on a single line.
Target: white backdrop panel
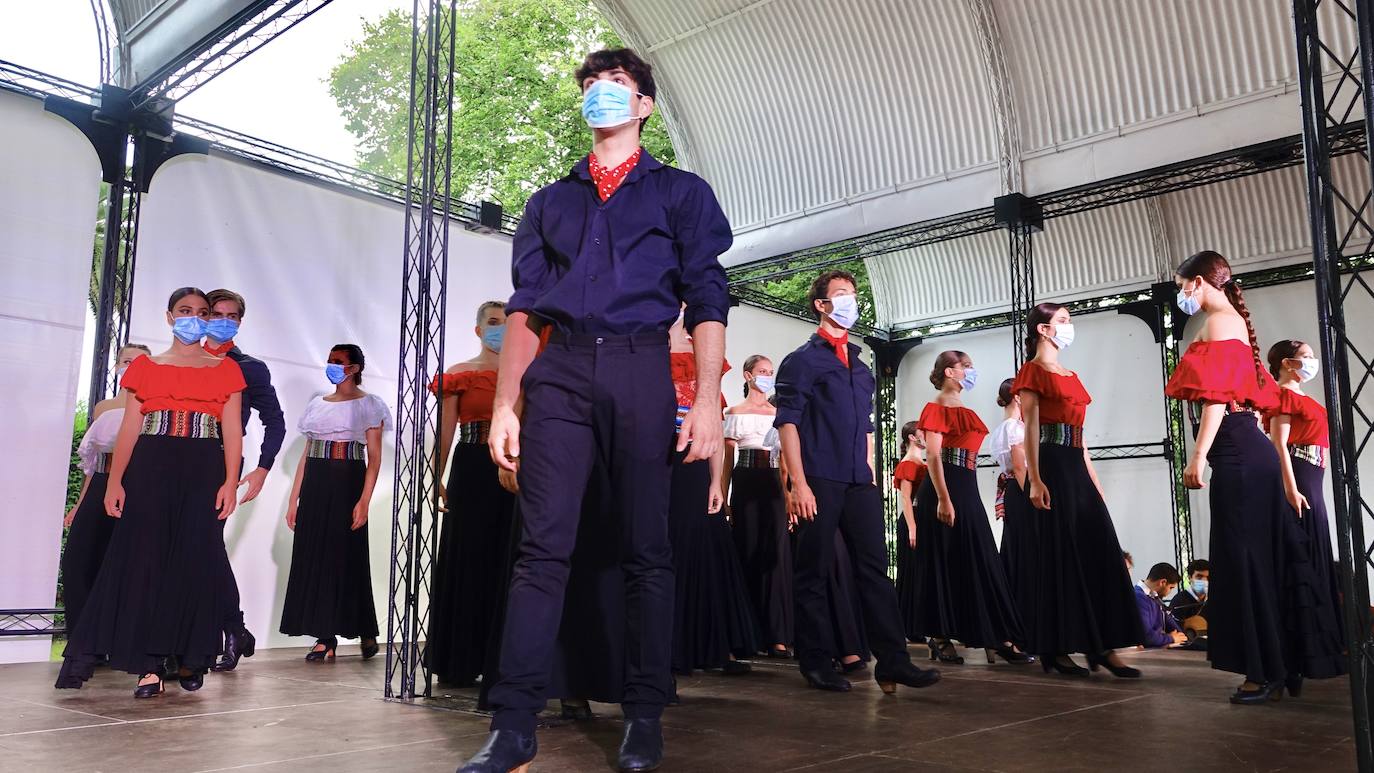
[(755, 331), (51, 183), (1118, 361), (317, 267)]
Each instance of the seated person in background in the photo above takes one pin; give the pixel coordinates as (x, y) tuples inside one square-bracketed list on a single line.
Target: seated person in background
[(1161, 629), (1189, 605)]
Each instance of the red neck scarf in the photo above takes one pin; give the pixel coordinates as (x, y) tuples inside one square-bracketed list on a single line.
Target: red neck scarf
[(840, 342), (609, 180), (219, 351)]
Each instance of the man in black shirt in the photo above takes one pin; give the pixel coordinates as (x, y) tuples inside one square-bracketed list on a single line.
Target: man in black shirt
[(226, 314)]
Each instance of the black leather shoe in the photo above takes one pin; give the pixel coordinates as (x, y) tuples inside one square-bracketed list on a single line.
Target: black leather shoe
[(904, 674), (735, 667), (506, 751), (240, 644), (1066, 666), (850, 668), (1269, 692), (148, 690), (642, 747), (1120, 672), (369, 648), (191, 682), (826, 679), (314, 655), (577, 711), (777, 654), (1294, 685)]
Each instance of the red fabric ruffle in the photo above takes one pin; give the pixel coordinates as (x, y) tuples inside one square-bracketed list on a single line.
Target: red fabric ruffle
[(1222, 372), (1307, 419), (909, 470), (177, 388), (683, 366), (475, 390), (961, 426)]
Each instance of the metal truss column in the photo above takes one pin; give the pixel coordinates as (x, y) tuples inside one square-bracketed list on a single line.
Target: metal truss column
[(887, 360), (1341, 258), (1022, 217), (424, 279)]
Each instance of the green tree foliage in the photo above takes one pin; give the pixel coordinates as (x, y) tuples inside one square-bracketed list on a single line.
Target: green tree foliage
[(517, 122), (797, 287)]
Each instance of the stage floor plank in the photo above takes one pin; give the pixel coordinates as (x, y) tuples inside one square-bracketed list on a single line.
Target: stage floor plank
[(279, 713)]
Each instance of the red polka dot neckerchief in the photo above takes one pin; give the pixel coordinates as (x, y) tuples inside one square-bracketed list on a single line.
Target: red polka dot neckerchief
[(608, 180)]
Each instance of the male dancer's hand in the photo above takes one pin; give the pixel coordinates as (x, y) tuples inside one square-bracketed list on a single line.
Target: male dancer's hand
[(253, 481), (504, 439), (703, 431), (801, 502)]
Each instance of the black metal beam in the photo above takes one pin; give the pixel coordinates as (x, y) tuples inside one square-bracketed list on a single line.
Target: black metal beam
[(30, 622), (1341, 285)]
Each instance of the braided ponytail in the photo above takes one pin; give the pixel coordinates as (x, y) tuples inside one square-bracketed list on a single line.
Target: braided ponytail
[(1237, 299)]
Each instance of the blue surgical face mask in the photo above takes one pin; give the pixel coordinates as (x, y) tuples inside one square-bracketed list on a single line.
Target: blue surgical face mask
[(844, 310), (335, 373), (765, 384), (606, 105), (221, 330), (188, 330), (1189, 303), (1199, 587), (970, 379), (493, 337)]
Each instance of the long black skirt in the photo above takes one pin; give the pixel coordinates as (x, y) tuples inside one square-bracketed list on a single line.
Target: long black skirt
[(329, 589), (759, 525), (1313, 587), (908, 570), (155, 595), (1082, 600), (842, 593), (1020, 552), (960, 588), (87, 540), (476, 544), (1250, 532), (712, 617)]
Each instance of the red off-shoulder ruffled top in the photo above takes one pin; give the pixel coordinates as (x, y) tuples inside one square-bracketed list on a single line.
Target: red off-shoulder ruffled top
[(1307, 419), (475, 389), (1222, 372), (684, 367), (162, 387), (1063, 399), (909, 470), (961, 426)]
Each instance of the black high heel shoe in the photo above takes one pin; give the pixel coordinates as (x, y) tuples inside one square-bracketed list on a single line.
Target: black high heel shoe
[(850, 668), (1269, 692), (329, 645), (369, 648), (906, 674), (1294, 685), (780, 654), (1009, 654), (1051, 663), (151, 690), (945, 652), (735, 668), (1120, 672), (576, 710)]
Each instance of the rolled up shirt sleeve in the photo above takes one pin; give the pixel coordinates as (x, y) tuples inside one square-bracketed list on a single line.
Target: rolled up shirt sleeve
[(793, 386), (702, 234), (531, 273)]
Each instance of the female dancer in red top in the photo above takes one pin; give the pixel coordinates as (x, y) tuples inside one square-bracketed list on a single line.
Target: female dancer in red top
[(476, 538), (1020, 527), (1300, 433), (961, 588), (911, 472), (1083, 601), (173, 478), (1221, 369)]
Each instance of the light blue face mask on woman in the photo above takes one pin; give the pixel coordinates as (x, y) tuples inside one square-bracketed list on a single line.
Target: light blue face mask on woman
[(493, 337), (1189, 304), (970, 379), (188, 330), (335, 373)]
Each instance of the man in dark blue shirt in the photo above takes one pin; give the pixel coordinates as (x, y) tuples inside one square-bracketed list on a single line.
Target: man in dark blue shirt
[(607, 256), (825, 406), (226, 314)]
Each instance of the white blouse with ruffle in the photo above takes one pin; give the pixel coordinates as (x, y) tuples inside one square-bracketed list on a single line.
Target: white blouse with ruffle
[(348, 420)]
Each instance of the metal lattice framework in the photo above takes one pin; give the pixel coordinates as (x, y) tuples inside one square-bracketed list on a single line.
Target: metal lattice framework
[(30, 622), (424, 277), (1021, 261), (1341, 264), (256, 26)]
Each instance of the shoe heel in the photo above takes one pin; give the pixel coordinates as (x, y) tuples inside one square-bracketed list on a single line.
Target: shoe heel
[(888, 688), (992, 656)]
